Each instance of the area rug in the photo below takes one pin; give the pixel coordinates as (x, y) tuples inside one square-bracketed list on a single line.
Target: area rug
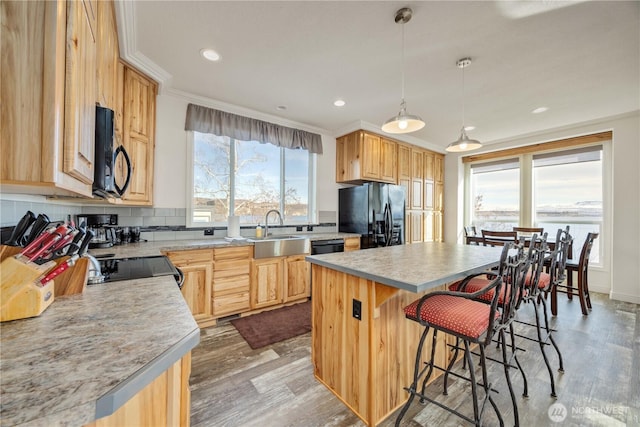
[(268, 327)]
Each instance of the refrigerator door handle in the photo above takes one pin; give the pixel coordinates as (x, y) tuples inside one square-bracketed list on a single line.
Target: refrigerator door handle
[(388, 224)]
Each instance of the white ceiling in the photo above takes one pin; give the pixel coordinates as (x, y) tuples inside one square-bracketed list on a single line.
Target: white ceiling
[(579, 59)]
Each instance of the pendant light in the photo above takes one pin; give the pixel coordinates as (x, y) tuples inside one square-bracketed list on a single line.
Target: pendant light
[(403, 122), (463, 143)]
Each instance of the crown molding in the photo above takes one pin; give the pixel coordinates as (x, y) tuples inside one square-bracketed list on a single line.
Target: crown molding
[(126, 19)]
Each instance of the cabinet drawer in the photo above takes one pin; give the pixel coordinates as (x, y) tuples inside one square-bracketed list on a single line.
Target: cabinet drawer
[(232, 267), (231, 304), (236, 252), (230, 285), (190, 257)]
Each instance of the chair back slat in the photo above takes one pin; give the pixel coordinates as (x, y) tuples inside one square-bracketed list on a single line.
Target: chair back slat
[(558, 266), (513, 270), (498, 238), (538, 250)]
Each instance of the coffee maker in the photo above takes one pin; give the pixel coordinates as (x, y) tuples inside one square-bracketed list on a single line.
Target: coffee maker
[(104, 227)]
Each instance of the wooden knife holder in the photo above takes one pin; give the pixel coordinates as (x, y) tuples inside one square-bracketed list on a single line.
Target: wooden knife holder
[(20, 296)]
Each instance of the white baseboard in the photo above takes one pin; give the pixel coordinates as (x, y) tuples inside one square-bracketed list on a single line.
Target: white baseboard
[(635, 299)]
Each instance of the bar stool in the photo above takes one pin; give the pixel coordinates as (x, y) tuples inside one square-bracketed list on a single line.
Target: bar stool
[(473, 322), (581, 266)]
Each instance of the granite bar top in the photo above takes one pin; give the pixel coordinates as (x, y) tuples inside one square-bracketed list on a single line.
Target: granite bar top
[(416, 267), (87, 354), (156, 248)]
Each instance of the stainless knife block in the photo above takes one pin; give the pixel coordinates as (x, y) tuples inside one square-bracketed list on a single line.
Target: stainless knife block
[(20, 296)]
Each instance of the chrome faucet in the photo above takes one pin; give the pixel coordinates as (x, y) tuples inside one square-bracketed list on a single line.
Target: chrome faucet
[(266, 221)]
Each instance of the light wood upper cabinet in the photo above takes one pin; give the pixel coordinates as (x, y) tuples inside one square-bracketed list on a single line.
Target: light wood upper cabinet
[(429, 159), (297, 278), (364, 156), (108, 56), (48, 54), (417, 181), (80, 91), (266, 282), (138, 129), (438, 170)]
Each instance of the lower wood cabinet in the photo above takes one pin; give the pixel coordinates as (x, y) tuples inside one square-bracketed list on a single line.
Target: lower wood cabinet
[(231, 280), (297, 273), (351, 244), (197, 267), (267, 282)]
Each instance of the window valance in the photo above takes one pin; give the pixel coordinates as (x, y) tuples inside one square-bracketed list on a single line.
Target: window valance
[(209, 120)]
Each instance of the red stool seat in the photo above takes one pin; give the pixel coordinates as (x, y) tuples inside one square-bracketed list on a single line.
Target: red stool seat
[(450, 313), (478, 283)]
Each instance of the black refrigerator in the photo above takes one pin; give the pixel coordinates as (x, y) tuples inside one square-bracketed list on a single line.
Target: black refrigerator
[(375, 211)]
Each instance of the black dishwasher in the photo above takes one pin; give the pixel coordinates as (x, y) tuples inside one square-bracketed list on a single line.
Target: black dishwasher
[(327, 246)]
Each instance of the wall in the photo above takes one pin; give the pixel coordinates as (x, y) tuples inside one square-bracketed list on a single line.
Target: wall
[(621, 278)]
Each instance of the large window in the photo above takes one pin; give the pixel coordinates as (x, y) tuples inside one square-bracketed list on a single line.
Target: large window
[(495, 195), (549, 189), (247, 179), (567, 189)]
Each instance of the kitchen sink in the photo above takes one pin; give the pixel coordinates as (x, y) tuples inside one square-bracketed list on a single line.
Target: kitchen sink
[(273, 246)]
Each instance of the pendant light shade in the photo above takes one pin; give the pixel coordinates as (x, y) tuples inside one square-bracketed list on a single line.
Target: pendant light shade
[(403, 122), (463, 143)]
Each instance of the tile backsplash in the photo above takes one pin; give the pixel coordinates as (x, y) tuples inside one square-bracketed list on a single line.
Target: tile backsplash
[(156, 223)]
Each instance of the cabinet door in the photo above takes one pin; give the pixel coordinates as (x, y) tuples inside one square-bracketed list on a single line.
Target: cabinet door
[(429, 165), (296, 278), (404, 162), (196, 289), (370, 156), (417, 181), (438, 227), (139, 133), (428, 194), (416, 227), (388, 161), (428, 226), (438, 196), (266, 282), (438, 169), (80, 92), (107, 56)]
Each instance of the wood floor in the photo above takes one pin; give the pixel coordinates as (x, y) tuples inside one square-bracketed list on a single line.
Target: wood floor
[(233, 385)]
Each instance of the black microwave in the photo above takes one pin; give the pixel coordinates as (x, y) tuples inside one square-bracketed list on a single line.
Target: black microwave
[(104, 180)]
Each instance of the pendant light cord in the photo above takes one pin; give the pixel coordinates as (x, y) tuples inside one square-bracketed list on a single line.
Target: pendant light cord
[(403, 63), (463, 97)]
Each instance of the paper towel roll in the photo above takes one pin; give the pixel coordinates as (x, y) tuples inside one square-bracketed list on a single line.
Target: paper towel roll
[(233, 227)]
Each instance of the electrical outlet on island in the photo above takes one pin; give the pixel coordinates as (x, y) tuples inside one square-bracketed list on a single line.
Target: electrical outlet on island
[(208, 231)]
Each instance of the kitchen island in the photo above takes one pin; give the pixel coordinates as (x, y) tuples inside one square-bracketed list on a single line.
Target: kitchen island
[(120, 350), (363, 347)]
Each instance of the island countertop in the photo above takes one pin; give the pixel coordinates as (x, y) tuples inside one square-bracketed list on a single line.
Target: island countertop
[(416, 267), (87, 354)]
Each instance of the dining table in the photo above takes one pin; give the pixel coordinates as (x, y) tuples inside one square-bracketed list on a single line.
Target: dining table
[(363, 347)]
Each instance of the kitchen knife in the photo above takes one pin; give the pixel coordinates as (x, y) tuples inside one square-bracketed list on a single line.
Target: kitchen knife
[(20, 229), (41, 223), (59, 269), (44, 242), (74, 247), (85, 242)]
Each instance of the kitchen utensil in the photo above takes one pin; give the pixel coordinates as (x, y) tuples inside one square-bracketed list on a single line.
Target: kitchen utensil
[(20, 229), (44, 243), (40, 224), (63, 266)]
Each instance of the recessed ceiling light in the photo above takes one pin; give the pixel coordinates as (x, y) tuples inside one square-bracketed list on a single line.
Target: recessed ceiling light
[(339, 103), (539, 110), (468, 128), (210, 54), (281, 107)]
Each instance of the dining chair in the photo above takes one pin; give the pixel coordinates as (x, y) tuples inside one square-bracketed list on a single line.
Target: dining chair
[(581, 266), (528, 231), (498, 238), (474, 323), (471, 235)]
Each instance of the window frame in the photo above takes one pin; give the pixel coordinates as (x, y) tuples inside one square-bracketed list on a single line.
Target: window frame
[(527, 208), (311, 188)]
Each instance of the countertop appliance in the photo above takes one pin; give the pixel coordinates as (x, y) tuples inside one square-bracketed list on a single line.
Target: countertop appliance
[(375, 211), (104, 179), (104, 227), (116, 269)]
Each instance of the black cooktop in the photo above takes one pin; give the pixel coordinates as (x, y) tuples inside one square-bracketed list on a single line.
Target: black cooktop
[(136, 268)]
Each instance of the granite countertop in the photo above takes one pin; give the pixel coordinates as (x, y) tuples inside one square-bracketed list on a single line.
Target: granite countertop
[(155, 248), (416, 267), (87, 354)]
